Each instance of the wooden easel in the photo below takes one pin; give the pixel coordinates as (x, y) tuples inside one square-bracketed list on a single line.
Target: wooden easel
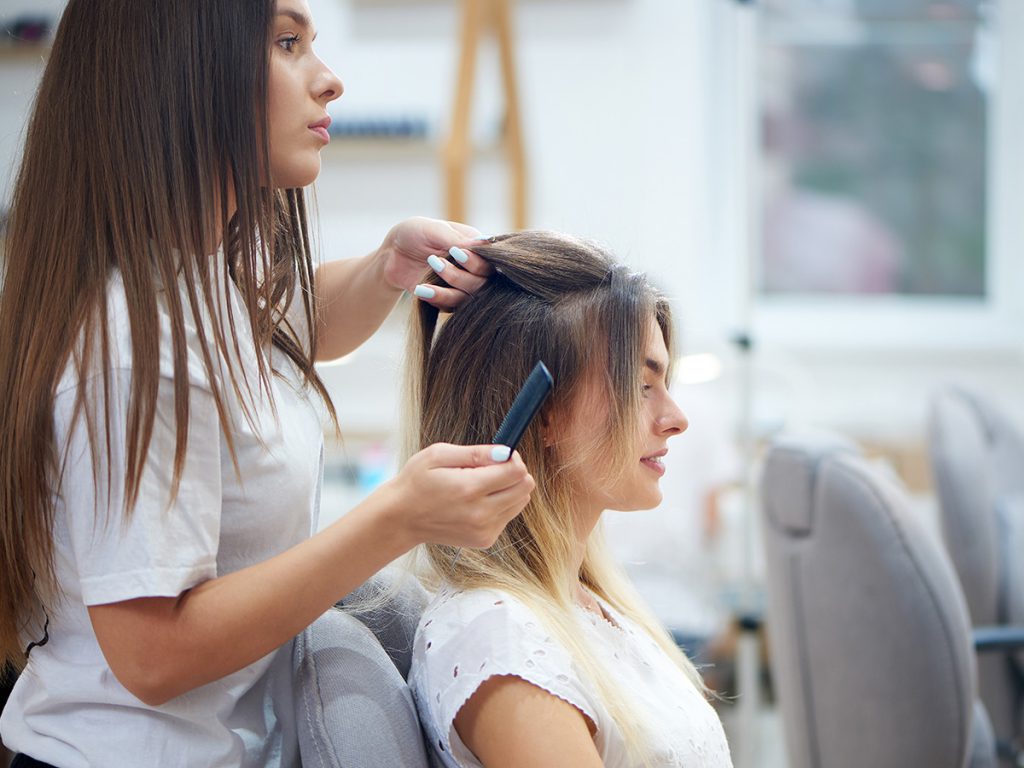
[(478, 17)]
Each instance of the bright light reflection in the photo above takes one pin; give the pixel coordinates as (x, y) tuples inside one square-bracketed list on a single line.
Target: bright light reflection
[(345, 360), (698, 368)]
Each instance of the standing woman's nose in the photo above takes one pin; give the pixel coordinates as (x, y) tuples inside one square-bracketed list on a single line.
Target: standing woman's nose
[(327, 86)]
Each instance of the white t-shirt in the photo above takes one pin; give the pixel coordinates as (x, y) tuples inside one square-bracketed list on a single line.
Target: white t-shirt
[(466, 637), (67, 708)]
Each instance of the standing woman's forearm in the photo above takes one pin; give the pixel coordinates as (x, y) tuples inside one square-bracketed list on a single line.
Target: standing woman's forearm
[(162, 647)]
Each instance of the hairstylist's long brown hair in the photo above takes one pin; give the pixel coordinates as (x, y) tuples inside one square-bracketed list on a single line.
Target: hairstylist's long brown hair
[(567, 302), (150, 118)]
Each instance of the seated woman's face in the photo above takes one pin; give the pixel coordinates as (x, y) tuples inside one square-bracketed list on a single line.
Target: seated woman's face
[(635, 486)]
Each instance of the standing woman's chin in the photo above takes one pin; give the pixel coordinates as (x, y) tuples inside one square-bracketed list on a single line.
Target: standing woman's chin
[(298, 175)]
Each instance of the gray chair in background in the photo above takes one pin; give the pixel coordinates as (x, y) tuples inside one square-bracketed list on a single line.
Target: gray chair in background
[(353, 707), (977, 455), (871, 644)]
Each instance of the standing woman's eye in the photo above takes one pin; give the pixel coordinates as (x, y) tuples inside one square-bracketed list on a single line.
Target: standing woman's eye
[(288, 43)]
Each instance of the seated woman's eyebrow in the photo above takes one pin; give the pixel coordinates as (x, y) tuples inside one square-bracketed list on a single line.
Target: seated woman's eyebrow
[(655, 367)]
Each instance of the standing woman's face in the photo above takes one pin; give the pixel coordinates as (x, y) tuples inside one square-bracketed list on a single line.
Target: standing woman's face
[(299, 89)]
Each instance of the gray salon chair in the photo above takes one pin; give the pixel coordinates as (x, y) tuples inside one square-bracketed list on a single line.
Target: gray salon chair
[(871, 644), (977, 455), (353, 707)]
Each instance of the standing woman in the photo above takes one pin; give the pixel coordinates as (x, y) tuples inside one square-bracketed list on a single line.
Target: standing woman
[(160, 452)]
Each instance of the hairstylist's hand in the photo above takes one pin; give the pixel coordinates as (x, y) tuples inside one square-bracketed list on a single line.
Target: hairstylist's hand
[(407, 251), (459, 495)]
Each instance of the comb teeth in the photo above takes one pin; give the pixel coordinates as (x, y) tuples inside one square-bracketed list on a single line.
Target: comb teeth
[(534, 392)]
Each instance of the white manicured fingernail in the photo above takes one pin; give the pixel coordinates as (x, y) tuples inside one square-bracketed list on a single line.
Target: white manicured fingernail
[(436, 264), (501, 453), (458, 254), (425, 292)]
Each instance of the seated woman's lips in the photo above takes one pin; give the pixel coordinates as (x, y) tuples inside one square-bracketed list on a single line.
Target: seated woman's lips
[(653, 462)]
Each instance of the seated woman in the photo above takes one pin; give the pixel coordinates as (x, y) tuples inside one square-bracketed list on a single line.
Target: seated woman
[(536, 651)]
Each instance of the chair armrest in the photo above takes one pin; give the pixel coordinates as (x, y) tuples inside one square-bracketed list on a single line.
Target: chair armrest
[(1007, 638)]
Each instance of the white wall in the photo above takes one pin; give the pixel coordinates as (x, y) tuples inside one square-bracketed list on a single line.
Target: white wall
[(607, 88), (18, 78)]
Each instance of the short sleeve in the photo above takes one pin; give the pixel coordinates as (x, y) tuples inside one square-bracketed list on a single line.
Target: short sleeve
[(475, 636), (164, 546)]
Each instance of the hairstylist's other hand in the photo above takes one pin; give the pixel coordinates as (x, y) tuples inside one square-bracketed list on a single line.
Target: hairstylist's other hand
[(407, 251), (460, 495)]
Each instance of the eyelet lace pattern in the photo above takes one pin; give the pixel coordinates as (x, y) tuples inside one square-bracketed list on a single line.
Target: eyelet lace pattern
[(466, 637)]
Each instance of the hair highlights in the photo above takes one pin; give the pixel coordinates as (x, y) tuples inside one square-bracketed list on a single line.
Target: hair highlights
[(567, 302)]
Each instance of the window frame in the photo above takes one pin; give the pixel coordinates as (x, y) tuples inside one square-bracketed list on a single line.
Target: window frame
[(828, 321)]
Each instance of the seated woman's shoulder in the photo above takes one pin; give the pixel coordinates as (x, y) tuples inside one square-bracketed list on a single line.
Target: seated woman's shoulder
[(467, 636), (486, 622), (462, 607)]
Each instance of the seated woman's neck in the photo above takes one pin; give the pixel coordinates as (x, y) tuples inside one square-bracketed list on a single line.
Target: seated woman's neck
[(586, 520)]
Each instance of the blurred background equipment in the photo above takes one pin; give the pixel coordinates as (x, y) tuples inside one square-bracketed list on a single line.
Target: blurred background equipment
[(871, 640), (478, 18), (977, 452)]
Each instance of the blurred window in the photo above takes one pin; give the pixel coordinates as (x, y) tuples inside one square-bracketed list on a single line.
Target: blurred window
[(873, 130)]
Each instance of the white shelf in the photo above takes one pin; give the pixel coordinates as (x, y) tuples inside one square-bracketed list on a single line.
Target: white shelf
[(368, 149), (24, 53), (348, 146)]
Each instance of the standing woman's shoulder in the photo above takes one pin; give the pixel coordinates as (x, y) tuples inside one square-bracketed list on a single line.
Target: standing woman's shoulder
[(114, 345)]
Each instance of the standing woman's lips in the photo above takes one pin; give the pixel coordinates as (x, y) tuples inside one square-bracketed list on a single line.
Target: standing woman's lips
[(320, 129)]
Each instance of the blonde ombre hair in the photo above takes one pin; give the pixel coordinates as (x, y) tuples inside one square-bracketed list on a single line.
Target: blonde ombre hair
[(567, 302)]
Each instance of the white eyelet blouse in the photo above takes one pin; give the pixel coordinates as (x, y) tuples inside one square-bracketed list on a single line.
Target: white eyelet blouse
[(466, 637)]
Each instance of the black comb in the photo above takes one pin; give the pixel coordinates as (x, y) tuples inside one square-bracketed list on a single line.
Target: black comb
[(531, 397)]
